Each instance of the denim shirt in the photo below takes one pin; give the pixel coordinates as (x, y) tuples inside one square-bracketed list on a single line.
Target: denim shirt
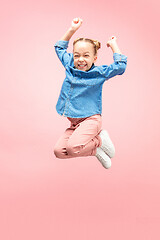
[(81, 92)]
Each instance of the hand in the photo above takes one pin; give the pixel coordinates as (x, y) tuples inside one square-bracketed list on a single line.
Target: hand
[(76, 23), (111, 41)]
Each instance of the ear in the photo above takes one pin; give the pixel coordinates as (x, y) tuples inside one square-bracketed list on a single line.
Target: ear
[(95, 58)]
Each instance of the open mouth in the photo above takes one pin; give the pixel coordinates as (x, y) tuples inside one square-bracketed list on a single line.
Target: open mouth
[(82, 66)]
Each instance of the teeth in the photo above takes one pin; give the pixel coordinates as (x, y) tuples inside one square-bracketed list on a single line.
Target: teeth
[(80, 65)]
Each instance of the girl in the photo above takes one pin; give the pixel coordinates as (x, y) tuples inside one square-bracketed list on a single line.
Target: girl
[(80, 99)]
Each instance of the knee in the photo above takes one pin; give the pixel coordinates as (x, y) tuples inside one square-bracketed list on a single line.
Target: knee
[(57, 152), (72, 150)]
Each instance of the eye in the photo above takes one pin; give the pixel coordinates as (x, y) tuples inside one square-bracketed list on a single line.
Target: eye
[(76, 56), (86, 55)]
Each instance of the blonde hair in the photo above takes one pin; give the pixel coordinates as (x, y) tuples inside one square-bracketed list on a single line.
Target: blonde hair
[(96, 44)]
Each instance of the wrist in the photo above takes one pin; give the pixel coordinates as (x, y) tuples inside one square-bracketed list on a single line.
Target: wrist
[(115, 48), (113, 44), (72, 30)]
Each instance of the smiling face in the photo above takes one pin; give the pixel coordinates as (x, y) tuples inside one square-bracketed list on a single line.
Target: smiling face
[(84, 56)]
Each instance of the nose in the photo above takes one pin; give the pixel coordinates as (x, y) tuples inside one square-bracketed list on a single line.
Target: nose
[(81, 59)]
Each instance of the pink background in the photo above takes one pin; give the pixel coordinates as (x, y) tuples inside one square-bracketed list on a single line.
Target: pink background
[(42, 197)]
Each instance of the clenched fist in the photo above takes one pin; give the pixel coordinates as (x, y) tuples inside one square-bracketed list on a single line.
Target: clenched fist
[(76, 23), (111, 41)]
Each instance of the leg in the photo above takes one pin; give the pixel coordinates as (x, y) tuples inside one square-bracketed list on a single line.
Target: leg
[(85, 140), (60, 147)]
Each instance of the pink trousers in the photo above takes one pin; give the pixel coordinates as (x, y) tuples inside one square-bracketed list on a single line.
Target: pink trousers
[(80, 139)]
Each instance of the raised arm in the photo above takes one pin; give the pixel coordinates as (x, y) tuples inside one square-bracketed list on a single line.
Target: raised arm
[(120, 61), (75, 25), (62, 45)]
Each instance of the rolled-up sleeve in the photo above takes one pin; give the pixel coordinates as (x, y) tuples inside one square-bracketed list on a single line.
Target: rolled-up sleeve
[(118, 67), (61, 51)]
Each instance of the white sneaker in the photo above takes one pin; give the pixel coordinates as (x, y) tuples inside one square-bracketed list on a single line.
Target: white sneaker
[(103, 158), (107, 145)]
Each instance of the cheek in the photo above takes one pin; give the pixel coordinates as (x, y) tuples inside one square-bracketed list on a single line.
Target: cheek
[(91, 61), (75, 61)]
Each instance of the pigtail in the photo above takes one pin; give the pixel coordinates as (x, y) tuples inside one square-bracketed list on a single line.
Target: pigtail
[(97, 43)]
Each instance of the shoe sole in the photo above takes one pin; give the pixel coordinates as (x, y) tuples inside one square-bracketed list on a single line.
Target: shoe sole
[(103, 158)]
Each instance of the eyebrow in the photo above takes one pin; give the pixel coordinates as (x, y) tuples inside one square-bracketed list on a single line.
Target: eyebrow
[(84, 52)]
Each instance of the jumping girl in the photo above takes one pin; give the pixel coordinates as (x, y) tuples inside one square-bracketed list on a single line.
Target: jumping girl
[(80, 99)]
